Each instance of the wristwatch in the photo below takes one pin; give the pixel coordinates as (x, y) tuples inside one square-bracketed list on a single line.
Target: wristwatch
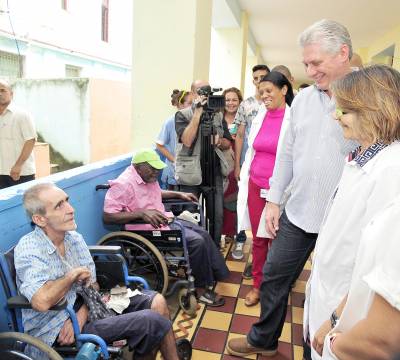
[(334, 319)]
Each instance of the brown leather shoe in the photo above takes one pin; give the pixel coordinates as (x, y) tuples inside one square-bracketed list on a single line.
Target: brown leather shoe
[(252, 297), (240, 347)]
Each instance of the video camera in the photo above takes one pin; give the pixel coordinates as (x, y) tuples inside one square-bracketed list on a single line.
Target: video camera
[(214, 102)]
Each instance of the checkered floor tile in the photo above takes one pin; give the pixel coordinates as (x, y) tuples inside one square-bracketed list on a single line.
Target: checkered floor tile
[(210, 330)]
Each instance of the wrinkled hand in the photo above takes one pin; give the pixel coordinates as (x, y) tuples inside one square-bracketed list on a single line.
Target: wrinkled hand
[(319, 337), (80, 274), (15, 172), (272, 218), (188, 197), (66, 335), (155, 218)]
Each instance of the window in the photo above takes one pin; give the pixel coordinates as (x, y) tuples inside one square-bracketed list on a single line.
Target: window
[(72, 71), (11, 65), (104, 20), (64, 4)]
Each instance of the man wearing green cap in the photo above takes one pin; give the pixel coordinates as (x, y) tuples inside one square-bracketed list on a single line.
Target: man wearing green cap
[(136, 195)]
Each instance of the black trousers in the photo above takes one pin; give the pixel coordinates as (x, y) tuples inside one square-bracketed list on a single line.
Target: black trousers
[(7, 181), (286, 257)]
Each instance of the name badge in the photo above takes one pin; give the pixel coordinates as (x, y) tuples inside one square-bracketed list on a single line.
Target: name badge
[(263, 193)]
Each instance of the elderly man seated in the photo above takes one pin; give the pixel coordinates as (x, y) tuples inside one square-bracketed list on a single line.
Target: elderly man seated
[(136, 195), (53, 260)]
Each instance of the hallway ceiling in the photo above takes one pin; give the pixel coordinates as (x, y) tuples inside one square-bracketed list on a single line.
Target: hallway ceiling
[(277, 24)]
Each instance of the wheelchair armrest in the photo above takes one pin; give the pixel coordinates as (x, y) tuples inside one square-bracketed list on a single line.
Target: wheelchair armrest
[(104, 250), (102, 187), (18, 302), (21, 302)]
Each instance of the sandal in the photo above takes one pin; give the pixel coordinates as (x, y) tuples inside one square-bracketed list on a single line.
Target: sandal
[(210, 298), (252, 297)]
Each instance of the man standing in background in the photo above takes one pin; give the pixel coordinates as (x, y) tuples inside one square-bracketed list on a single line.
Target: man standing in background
[(17, 139)]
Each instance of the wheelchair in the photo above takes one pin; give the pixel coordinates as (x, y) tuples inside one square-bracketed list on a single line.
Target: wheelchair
[(111, 270), (12, 348), (158, 255)]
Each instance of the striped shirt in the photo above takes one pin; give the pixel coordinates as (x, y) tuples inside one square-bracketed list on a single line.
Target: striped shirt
[(313, 155), (36, 262)]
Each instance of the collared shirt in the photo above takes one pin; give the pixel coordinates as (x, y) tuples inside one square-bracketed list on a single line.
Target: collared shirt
[(247, 111), (363, 191), (16, 127), (129, 193), (37, 262), (167, 138), (245, 114), (312, 157), (376, 271)]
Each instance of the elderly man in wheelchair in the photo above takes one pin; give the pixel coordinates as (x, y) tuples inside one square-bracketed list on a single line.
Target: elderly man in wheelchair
[(136, 195), (53, 262)]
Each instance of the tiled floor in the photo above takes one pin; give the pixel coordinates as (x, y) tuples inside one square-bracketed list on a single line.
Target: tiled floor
[(210, 330)]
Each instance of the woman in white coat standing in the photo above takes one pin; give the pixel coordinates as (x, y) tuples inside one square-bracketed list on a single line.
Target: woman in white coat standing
[(266, 132)]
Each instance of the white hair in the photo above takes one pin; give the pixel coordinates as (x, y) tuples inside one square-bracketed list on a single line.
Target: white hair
[(32, 203), (329, 34)]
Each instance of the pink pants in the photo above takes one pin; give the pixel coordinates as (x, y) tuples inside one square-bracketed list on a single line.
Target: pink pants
[(260, 245)]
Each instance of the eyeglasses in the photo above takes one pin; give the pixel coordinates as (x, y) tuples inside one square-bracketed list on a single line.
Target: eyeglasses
[(339, 112)]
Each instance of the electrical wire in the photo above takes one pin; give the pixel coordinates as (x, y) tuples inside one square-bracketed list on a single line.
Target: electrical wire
[(16, 42)]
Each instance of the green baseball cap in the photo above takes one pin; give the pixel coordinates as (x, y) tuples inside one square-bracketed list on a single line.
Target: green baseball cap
[(149, 156)]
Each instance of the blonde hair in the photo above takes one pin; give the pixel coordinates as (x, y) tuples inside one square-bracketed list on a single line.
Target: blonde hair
[(373, 94)]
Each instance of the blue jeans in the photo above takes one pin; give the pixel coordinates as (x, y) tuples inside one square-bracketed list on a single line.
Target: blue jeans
[(287, 255)]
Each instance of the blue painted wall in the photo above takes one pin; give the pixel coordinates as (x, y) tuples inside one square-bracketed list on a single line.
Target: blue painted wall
[(79, 184)]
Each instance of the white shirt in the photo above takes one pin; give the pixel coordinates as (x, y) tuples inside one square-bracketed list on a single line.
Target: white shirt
[(376, 270), (312, 158), (362, 192), (16, 127)]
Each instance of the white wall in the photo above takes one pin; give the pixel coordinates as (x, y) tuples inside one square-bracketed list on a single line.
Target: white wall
[(60, 109), (75, 32)]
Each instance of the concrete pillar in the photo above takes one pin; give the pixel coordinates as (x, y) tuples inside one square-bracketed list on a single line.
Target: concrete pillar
[(171, 47), (251, 60), (228, 55)]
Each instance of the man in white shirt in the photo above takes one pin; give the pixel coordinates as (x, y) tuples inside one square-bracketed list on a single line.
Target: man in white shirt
[(312, 159), (17, 139)]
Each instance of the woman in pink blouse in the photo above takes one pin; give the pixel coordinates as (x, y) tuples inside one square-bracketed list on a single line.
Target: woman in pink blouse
[(265, 135)]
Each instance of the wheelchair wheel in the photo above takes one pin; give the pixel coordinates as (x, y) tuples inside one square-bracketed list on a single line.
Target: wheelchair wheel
[(142, 257), (187, 302), (10, 346)]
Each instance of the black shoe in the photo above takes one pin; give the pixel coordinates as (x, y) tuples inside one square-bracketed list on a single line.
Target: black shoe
[(184, 348), (247, 273), (210, 298)]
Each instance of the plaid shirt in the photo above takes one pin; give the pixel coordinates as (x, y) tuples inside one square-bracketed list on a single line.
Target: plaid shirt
[(36, 262)]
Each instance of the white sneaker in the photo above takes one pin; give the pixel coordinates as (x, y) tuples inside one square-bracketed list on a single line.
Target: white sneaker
[(237, 252)]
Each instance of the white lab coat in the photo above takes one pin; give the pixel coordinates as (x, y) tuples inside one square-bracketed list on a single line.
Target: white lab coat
[(242, 208)]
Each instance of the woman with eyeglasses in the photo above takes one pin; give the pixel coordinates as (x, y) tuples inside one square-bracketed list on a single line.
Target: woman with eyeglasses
[(352, 308), (265, 137)]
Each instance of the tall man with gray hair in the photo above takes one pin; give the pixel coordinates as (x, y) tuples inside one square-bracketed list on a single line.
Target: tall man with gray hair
[(312, 159)]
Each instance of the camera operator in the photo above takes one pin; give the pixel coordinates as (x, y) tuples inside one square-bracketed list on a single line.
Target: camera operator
[(190, 163)]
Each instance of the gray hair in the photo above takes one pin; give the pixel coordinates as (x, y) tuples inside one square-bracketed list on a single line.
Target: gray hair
[(32, 203), (330, 34)]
